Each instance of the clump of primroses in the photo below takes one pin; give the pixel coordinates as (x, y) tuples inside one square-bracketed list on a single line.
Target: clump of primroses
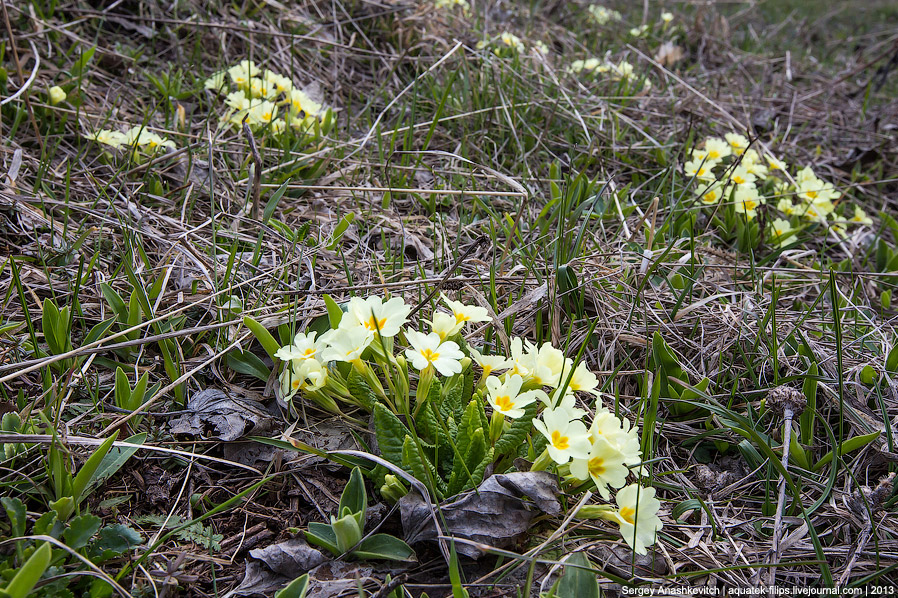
[(374, 341)]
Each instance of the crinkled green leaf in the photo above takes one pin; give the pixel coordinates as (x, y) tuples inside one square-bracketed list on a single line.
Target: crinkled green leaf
[(516, 434), (80, 531), (390, 433), (384, 546)]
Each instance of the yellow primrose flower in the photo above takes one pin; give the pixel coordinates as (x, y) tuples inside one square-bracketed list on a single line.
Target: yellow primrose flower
[(427, 350), (747, 200), (860, 217), (374, 314), (242, 72), (752, 163), (817, 212), (238, 100), (300, 102), (667, 17), (780, 230), (512, 41), (741, 176), (717, 149), (506, 397), (263, 113), (56, 94), (602, 15), (700, 169), (308, 375), (216, 82), (618, 432), (583, 380), (639, 31), (278, 83), (345, 344), (489, 363), (113, 139), (709, 193), (278, 126), (775, 164), (604, 464), (567, 439), (817, 191), (445, 325), (260, 88), (467, 313), (786, 206), (805, 175), (303, 347), (452, 4), (637, 516), (738, 143), (540, 47), (623, 69)]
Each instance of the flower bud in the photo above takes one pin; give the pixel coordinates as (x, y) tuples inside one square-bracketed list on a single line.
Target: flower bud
[(56, 95)]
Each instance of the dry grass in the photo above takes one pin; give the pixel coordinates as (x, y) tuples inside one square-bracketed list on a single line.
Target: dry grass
[(432, 161)]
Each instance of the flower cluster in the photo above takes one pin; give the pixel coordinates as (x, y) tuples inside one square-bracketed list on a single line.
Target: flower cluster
[(532, 378), (451, 4), (140, 141), (728, 169), (622, 71), (267, 100), (602, 15), (504, 45)]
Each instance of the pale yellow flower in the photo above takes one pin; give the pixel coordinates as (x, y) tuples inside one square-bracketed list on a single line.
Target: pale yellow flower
[(717, 149), (56, 94), (747, 200), (779, 231), (567, 439), (860, 217), (738, 143), (709, 193), (637, 516), (700, 169)]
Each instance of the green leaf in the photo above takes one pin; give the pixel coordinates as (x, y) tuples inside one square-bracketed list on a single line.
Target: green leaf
[(334, 311), (122, 389), (852, 444), (354, 497), (114, 540), (360, 390), (516, 434), (384, 546), (580, 579), (892, 360), (464, 470), (245, 362), (295, 589), (98, 331), (29, 573), (347, 531), (262, 335), (390, 433), (15, 510), (82, 62), (415, 461), (806, 419), (114, 460), (272, 204), (115, 301), (63, 506), (341, 228), (321, 534), (48, 525), (89, 469), (80, 531)]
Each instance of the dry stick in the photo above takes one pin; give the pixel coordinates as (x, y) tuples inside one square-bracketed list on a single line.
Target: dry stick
[(788, 401), (15, 56), (257, 168)]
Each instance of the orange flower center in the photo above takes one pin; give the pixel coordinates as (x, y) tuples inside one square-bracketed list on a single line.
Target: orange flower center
[(430, 355), (504, 403), (629, 514), (558, 441), (597, 466), (375, 324)]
